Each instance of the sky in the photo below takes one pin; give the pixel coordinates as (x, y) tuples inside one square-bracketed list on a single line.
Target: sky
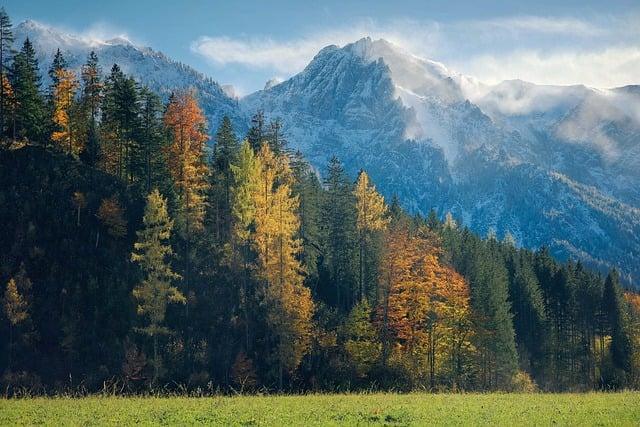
[(246, 43)]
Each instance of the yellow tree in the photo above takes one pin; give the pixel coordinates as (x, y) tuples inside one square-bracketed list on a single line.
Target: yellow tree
[(288, 302), (8, 102), (16, 305), (64, 94), (246, 179), (424, 304), (186, 160), (372, 218)]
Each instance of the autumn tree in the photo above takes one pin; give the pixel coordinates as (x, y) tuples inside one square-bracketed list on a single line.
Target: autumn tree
[(16, 306), (111, 215), (152, 252), (64, 93), (6, 41), (186, 162), (247, 172), (371, 218), (288, 301)]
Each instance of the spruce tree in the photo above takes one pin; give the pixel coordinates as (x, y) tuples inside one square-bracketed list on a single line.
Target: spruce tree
[(30, 113), (225, 153), (617, 320), (339, 236)]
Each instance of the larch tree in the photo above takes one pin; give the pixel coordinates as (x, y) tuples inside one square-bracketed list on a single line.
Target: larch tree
[(372, 218), (246, 179), (186, 161), (152, 252), (6, 42), (64, 93), (289, 304), (16, 306)]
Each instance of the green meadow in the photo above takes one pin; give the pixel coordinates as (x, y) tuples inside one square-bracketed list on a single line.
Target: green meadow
[(336, 409)]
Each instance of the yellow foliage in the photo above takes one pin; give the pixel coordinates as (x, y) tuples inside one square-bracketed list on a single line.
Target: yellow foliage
[(63, 97), (289, 302)]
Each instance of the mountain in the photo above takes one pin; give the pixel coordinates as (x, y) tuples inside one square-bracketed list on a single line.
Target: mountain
[(551, 165), (150, 67), (554, 166)]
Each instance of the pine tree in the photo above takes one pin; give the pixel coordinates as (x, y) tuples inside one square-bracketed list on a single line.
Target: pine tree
[(617, 319), (6, 53), (30, 110), (224, 155), (90, 102), (257, 132), (372, 218), (152, 252), (338, 231), (120, 126), (151, 162)]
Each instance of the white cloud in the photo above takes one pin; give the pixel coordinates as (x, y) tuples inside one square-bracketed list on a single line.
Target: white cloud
[(544, 50), (608, 67)]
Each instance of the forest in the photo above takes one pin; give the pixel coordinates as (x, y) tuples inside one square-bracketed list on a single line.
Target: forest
[(141, 251)]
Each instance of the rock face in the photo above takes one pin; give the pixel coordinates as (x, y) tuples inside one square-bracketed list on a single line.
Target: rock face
[(551, 165)]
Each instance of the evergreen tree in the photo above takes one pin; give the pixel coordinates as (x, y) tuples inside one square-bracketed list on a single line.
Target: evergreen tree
[(257, 132), (224, 155), (617, 319), (156, 291), (90, 102), (30, 110), (338, 231)]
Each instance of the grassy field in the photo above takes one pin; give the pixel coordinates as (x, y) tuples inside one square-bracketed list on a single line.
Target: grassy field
[(352, 409)]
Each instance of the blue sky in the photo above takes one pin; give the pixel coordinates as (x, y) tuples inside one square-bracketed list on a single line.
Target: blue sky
[(245, 43)]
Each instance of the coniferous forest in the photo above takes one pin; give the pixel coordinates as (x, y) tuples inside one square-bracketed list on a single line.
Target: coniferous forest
[(140, 250)]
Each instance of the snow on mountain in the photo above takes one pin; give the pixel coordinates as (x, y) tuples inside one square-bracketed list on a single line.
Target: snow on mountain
[(541, 162), (552, 165), (150, 67)]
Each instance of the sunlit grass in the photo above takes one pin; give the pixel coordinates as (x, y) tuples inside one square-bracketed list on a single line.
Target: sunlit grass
[(334, 409)]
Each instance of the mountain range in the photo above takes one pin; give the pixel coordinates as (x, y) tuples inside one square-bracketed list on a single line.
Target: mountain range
[(550, 165)]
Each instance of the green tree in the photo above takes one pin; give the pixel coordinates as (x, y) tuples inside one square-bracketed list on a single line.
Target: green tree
[(30, 112), (151, 253)]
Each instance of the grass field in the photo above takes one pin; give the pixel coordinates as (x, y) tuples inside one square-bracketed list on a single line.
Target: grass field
[(352, 409)]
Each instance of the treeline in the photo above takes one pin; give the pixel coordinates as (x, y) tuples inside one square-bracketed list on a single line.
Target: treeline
[(134, 257)]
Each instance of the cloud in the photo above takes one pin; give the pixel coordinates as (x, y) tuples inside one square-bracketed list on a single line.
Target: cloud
[(608, 67), (545, 50)]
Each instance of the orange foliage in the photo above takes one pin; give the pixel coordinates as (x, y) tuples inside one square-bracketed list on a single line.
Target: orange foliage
[(185, 156)]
